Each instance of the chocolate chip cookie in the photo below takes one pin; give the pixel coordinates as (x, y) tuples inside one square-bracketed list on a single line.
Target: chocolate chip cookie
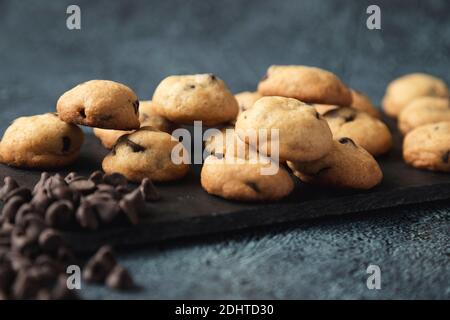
[(423, 110), (308, 84), (225, 142), (146, 153), (41, 141), (368, 132), (403, 90), (226, 178), (147, 117), (101, 104), (188, 98), (361, 102), (347, 165), (428, 147), (303, 134)]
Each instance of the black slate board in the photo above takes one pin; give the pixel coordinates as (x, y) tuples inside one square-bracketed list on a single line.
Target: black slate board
[(186, 209)]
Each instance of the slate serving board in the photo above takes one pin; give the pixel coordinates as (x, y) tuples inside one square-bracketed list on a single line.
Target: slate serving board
[(186, 209)]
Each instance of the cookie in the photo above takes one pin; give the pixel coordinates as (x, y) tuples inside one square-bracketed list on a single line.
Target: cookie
[(368, 132), (246, 100), (303, 134), (101, 104), (361, 102), (308, 84), (146, 153), (403, 90), (41, 141), (226, 142), (347, 165), (428, 147), (188, 98), (423, 110), (147, 117), (226, 178)]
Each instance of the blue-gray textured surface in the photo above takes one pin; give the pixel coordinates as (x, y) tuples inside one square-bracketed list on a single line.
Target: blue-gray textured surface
[(140, 42)]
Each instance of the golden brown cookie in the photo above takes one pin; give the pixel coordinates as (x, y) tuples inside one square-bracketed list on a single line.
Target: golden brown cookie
[(188, 98), (147, 117), (226, 178), (346, 166), (423, 110), (146, 153), (41, 141), (368, 132), (303, 134), (362, 102), (403, 90), (101, 104), (428, 147), (308, 84)]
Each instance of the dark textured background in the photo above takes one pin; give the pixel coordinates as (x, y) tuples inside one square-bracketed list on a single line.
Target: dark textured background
[(141, 42)]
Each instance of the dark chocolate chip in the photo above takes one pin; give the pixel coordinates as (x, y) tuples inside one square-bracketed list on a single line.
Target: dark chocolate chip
[(20, 192), (446, 156), (50, 240), (131, 204), (83, 186), (7, 275), (66, 144), (96, 177), (318, 115), (99, 266), (136, 106), (86, 216), (9, 185), (41, 183), (253, 186), (66, 256), (59, 214), (120, 279), (148, 190), (61, 292), (135, 147), (115, 179), (24, 210), (11, 207), (107, 208), (349, 118), (212, 77), (346, 140), (41, 200), (25, 286), (72, 176), (82, 113)]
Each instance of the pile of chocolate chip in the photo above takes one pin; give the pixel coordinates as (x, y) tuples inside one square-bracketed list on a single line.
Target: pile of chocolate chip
[(33, 254)]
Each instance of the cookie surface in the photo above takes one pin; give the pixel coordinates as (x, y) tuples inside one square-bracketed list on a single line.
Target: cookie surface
[(423, 110), (101, 104), (428, 147), (145, 153), (368, 132), (41, 141), (246, 100), (188, 98), (361, 102), (346, 166), (303, 134), (243, 181), (226, 142), (147, 117), (403, 90), (308, 84)]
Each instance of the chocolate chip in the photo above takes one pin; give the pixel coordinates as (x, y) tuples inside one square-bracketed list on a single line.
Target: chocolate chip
[(10, 208), (346, 140), (253, 186), (445, 157), (22, 192), (59, 214), (83, 186), (86, 216), (318, 115), (66, 144), (40, 184), (61, 292), (107, 208), (7, 275), (349, 118), (82, 113), (96, 177), (120, 279), (72, 176), (136, 106), (135, 147), (24, 210), (212, 77), (9, 185), (99, 266), (50, 240), (66, 256), (115, 179), (131, 204), (41, 200), (148, 190), (25, 286), (191, 86)]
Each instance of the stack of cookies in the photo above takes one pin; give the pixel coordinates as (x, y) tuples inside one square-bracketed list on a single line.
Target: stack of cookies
[(421, 104)]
